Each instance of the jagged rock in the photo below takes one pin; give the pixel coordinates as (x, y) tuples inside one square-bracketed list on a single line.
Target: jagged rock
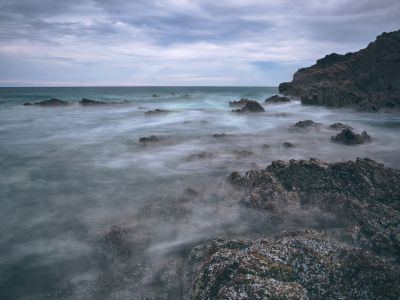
[(250, 106), (240, 102), (363, 193), (156, 111), (149, 139), (277, 99), (306, 125), (367, 79), (349, 137), (340, 126), (293, 265), (50, 102)]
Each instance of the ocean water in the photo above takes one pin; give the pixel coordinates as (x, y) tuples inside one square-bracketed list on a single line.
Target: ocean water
[(68, 174)]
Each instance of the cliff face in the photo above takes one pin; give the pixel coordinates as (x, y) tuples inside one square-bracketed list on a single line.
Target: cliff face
[(368, 79)]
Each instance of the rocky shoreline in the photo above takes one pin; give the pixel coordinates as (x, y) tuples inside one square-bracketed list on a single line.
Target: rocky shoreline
[(367, 80)]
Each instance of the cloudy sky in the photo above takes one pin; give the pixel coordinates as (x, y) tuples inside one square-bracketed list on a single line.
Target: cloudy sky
[(179, 42)]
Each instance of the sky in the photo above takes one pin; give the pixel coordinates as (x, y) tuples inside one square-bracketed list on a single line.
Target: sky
[(179, 42)]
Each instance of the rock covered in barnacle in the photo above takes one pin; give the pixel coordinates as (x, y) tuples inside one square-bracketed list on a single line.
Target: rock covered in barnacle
[(293, 265), (360, 193), (349, 137)]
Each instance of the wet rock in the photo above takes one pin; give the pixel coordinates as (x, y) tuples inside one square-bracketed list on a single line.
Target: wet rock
[(277, 99), (353, 80), (155, 96), (240, 102), (349, 137), (340, 126), (149, 139), (287, 145), (50, 102), (243, 153), (156, 111), (200, 156), (363, 193), (86, 101), (293, 265), (306, 125), (219, 135), (250, 106)]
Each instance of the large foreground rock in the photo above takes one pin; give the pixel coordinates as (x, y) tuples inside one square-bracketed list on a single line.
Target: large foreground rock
[(296, 265), (363, 195), (368, 79)]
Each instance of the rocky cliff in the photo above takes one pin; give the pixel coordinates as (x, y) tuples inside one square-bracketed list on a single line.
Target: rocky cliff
[(368, 79)]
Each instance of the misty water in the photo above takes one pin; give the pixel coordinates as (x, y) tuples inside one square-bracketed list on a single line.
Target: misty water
[(69, 174)]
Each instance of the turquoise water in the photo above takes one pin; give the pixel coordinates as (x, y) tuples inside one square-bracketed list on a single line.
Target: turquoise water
[(70, 173)]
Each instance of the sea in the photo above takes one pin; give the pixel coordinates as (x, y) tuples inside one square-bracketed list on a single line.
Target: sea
[(70, 174)]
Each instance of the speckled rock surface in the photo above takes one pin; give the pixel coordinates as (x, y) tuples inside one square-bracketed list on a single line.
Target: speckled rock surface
[(293, 265)]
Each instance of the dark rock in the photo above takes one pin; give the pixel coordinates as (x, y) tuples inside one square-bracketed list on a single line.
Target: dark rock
[(340, 126), (367, 79), (89, 102), (363, 194), (240, 102), (200, 156), (50, 102), (156, 111), (277, 99), (86, 101), (243, 153), (293, 265), (349, 137), (219, 135), (306, 125), (250, 106), (287, 145), (155, 96), (149, 139)]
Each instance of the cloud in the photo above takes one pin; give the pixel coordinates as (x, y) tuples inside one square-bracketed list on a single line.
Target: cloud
[(180, 42)]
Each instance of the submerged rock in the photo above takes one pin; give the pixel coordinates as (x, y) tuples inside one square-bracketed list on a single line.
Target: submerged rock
[(156, 111), (219, 135), (89, 102), (287, 145), (86, 101), (200, 156), (293, 265), (367, 79), (306, 124), (250, 106), (349, 137), (277, 99), (50, 102), (340, 126), (149, 139)]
